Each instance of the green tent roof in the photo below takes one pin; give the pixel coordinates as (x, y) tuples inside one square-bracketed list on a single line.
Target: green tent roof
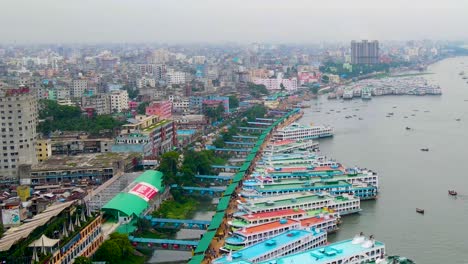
[(126, 204), (244, 166), (223, 204), (238, 177), (230, 189), (205, 242), (152, 177), (196, 259), (216, 221)]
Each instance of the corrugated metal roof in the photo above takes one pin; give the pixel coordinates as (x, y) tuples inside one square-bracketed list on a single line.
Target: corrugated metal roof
[(127, 204)]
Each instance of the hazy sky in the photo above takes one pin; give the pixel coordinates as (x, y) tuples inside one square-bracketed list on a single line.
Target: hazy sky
[(178, 21)]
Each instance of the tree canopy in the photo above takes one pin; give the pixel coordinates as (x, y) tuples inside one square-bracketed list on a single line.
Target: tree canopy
[(233, 102), (257, 90), (69, 118), (141, 109), (82, 260), (117, 249)]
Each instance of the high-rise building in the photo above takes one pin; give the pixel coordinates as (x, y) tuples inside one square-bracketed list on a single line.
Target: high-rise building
[(78, 87), (119, 101), (18, 113), (365, 52)]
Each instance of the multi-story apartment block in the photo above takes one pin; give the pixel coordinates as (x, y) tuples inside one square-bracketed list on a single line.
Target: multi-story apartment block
[(43, 149), (149, 135), (365, 52), (118, 101), (175, 77), (78, 87), (275, 83), (99, 104), (162, 109), (18, 120), (144, 82)]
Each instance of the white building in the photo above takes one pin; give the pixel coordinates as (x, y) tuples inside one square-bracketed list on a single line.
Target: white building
[(175, 77), (275, 83), (143, 82), (119, 101), (18, 113), (78, 87)]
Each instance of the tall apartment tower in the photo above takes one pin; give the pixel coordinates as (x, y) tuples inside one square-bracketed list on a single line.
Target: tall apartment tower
[(18, 120), (365, 52)]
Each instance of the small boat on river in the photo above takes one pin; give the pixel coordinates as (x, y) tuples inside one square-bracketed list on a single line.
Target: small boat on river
[(419, 210), (424, 149), (452, 192)]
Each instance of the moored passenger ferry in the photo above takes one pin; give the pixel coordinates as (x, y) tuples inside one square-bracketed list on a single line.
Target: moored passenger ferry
[(289, 242), (247, 236), (297, 131)]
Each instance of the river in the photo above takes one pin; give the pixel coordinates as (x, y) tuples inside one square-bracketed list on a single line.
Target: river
[(409, 178)]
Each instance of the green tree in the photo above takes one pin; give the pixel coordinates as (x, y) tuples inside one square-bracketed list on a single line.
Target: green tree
[(141, 109), (282, 87), (82, 260), (132, 91), (233, 102), (168, 166), (109, 251), (124, 244)]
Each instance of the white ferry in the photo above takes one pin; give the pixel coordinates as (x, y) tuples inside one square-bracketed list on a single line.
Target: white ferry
[(348, 94), (289, 242), (247, 236), (343, 204), (297, 131), (357, 250)]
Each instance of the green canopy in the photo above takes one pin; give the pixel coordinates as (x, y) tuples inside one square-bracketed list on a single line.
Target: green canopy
[(230, 189), (223, 204), (196, 259), (238, 177), (205, 242), (125, 204), (216, 221)]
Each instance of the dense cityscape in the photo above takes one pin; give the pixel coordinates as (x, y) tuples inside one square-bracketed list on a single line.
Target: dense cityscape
[(221, 153)]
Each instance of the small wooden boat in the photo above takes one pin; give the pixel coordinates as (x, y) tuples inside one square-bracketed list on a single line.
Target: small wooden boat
[(419, 210), (452, 192), (458, 119), (408, 128), (424, 149)]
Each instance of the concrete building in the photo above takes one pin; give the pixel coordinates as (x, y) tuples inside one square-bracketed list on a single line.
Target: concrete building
[(18, 113), (175, 77), (162, 109), (365, 52), (43, 149), (98, 104), (118, 101), (275, 83), (95, 168), (78, 87), (73, 146), (145, 81), (150, 136)]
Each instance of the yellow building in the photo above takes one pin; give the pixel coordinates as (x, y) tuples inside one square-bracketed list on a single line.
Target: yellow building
[(43, 149)]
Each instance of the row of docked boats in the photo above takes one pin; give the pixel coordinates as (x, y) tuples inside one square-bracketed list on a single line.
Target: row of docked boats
[(295, 197)]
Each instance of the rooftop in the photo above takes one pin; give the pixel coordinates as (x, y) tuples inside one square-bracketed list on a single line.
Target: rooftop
[(299, 185), (92, 160), (259, 249), (158, 124), (325, 254)]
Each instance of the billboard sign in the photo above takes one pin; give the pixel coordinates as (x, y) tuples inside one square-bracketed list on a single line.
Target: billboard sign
[(144, 190)]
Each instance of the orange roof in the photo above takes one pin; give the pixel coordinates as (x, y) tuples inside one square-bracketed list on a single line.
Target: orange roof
[(266, 227), (279, 213), (311, 221), (283, 142)]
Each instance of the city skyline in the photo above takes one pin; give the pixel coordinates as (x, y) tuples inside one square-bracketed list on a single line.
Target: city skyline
[(208, 21)]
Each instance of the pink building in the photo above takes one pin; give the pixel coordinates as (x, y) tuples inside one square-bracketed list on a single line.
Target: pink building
[(160, 108), (132, 105), (307, 77), (275, 84)]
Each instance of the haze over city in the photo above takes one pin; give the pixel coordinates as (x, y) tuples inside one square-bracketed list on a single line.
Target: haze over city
[(204, 21)]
